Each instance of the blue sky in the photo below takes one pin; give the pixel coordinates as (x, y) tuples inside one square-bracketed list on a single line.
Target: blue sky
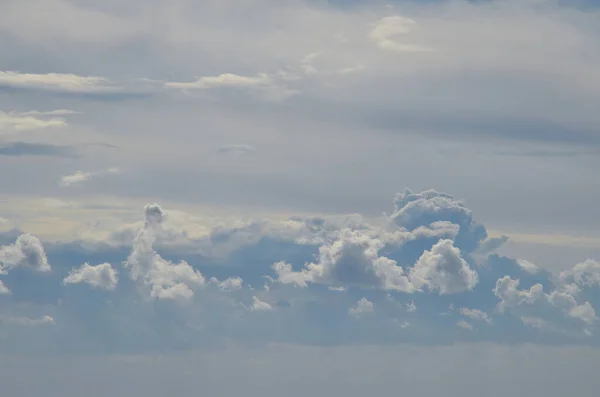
[(197, 190)]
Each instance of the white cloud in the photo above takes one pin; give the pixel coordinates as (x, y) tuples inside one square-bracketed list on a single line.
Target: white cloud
[(80, 176), (14, 122), (4, 289), (363, 306), (66, 82), (528, 266), (57, 112), (390, 34), (229, 284), (444, 270), (476, 314), (28, 322), (584, 274), (26, 252), (223, 80), (411, 307), (465, 325), (101, 276), (512, 298), (260, 306), (75, 178), (165, 279)]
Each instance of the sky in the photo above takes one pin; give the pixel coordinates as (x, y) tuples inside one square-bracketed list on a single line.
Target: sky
[(299, 196)]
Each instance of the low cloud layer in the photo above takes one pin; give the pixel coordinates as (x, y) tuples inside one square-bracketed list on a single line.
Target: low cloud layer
[(421, 274)]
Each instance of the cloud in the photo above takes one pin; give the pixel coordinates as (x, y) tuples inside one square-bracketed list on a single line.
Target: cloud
[(236, 149), (57, 112), (443, 269), (389, 32), (475, 314), (28, 122), (4, 289), (223, 80), (28, 322), (513, 298), (26, 252), (100, 276), (79, 176), (260, 306), (330, 271), (465, 325), (59, 82), (163, 278), (363, 306)]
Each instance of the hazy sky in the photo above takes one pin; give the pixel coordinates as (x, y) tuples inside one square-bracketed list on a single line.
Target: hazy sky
[(216, 197)]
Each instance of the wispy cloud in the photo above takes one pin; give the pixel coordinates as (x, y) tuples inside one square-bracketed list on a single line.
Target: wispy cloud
[(37, 149), (62, 82), (236, 149), (16, 122), (79, 176)]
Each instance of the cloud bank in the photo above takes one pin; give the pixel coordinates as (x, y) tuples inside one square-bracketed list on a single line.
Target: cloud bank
[(421, 274)]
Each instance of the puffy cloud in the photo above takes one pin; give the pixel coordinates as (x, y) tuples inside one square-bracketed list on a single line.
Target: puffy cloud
[(444, 270), (165, 279), (511, 297), (229, 284), (363, 306), (414, 210), (260, 306), (585, 274), (352, 259), (26, 252), (102, 276)]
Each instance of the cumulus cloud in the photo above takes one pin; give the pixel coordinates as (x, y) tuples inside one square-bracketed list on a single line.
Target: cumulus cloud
[(64, 82), (511, 297), (363, 306), (353, 259), (584, 274), (163, 278), (444, 270), (26, 252), (260, 306), (102, 276), (229, 284), (329, 270)]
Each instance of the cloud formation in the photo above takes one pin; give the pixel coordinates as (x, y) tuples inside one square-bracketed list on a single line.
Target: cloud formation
[(404, 273), (102, 276)]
